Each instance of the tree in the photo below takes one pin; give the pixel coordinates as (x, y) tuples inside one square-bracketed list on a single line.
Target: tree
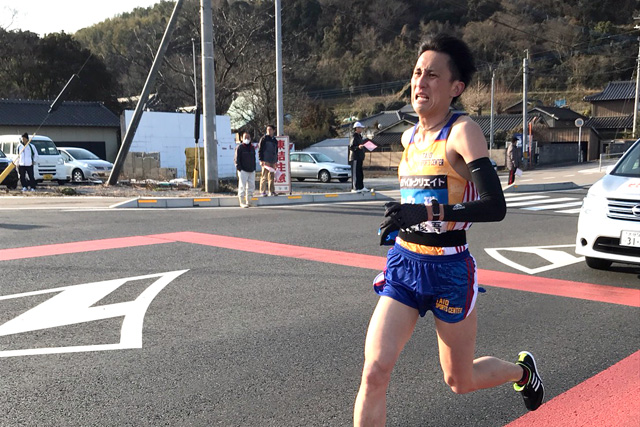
[(39, 69)]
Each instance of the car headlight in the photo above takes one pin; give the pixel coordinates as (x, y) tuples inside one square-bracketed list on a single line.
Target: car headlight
[(593, 202), (88, 166), (60, 161)]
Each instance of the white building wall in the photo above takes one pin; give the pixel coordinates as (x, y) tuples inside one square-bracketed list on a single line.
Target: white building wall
[(170, 133), (336, 148)]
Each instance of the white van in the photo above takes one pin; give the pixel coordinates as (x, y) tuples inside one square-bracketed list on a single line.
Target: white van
[(50, 166)]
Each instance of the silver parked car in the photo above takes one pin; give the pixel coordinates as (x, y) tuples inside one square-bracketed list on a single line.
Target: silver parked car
[(308, 164), (83, 165)]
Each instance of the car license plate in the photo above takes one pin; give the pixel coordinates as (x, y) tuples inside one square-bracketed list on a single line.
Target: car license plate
[(630, 238), (47, 177)]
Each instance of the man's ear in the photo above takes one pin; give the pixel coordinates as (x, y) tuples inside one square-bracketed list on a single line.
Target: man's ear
[(457, 88)]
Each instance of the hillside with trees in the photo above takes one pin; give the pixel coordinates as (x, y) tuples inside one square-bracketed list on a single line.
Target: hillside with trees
[(340, 59)]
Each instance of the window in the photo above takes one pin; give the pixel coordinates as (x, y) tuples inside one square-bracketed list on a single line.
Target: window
[(45, 148), (322, 158), (630, 163)]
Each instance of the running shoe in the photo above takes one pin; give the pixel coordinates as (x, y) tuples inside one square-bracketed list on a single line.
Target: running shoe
[(533, 390)]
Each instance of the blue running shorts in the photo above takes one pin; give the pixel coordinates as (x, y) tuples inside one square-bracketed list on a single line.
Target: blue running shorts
[(444, 284)]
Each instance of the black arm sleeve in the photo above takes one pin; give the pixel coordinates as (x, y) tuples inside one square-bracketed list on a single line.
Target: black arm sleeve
[(490, 207)]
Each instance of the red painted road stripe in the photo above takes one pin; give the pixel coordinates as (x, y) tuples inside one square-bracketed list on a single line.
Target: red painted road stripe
[(78, 247), (608, 399), (278, 249), (519, 282), (561, 288)]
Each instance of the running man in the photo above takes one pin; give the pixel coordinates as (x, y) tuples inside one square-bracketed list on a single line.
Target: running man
[(446, 182)]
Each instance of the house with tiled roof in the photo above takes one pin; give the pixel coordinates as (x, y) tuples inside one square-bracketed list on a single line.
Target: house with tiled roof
[(612, 109), (87, 125)]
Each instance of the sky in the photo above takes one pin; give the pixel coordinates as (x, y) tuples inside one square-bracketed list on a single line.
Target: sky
[(52, 16)]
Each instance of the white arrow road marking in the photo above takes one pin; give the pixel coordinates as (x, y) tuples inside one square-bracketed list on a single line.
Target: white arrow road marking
[(556, 258), (73, 304)]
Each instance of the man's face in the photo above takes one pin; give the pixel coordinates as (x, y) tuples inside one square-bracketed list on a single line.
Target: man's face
[(432, 84), (24, 140), (270, 131)]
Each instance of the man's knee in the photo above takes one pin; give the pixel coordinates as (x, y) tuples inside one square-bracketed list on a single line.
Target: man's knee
[(376, 374), (459, 384)]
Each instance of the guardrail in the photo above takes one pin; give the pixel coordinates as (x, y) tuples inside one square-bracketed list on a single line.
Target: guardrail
[(608, 157)]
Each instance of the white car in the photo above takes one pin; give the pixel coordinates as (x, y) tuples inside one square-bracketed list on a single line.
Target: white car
[(609, 222), (308, 164), (83, 165)]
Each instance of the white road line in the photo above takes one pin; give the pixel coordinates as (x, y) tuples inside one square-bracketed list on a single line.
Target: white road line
[(537, 202), (554, 206), (570, 211), (520, 197)]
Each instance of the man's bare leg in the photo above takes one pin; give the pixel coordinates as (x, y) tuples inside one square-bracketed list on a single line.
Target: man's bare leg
[(391, 326)]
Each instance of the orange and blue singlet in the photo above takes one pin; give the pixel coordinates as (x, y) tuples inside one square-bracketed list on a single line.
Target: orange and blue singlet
[(425, 174), (430, 278)]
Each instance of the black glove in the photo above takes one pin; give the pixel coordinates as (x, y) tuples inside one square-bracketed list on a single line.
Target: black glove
[(388, 232), (405, 215)]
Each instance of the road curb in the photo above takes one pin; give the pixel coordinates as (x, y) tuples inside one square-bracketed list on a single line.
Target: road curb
[(528, 188), (232, 201)]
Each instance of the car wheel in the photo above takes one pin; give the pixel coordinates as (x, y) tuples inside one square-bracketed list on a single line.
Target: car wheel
[(300, 179), (343, 179), (598, 263), (77, 175), (324, 176)]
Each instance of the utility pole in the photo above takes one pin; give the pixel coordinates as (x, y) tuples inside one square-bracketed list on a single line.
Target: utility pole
[(208, 98), (137, 114), (635, 104), (197, 167), (493, 76), (525, 73), (279, 103)]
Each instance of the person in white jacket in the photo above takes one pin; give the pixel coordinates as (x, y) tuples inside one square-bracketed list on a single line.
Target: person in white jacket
[(27, 159)]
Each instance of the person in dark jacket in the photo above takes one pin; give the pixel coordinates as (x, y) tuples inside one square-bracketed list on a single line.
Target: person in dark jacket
[(245, 160), (356, 158), (513, 159), (268, 156)]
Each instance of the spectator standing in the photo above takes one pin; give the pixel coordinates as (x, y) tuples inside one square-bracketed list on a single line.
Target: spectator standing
[(356, 158), (245, 160), (268, 156), (27, 159), (513, 159)]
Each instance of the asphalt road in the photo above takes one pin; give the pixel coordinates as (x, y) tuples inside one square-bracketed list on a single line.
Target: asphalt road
[(252, 338), (247, 317)]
